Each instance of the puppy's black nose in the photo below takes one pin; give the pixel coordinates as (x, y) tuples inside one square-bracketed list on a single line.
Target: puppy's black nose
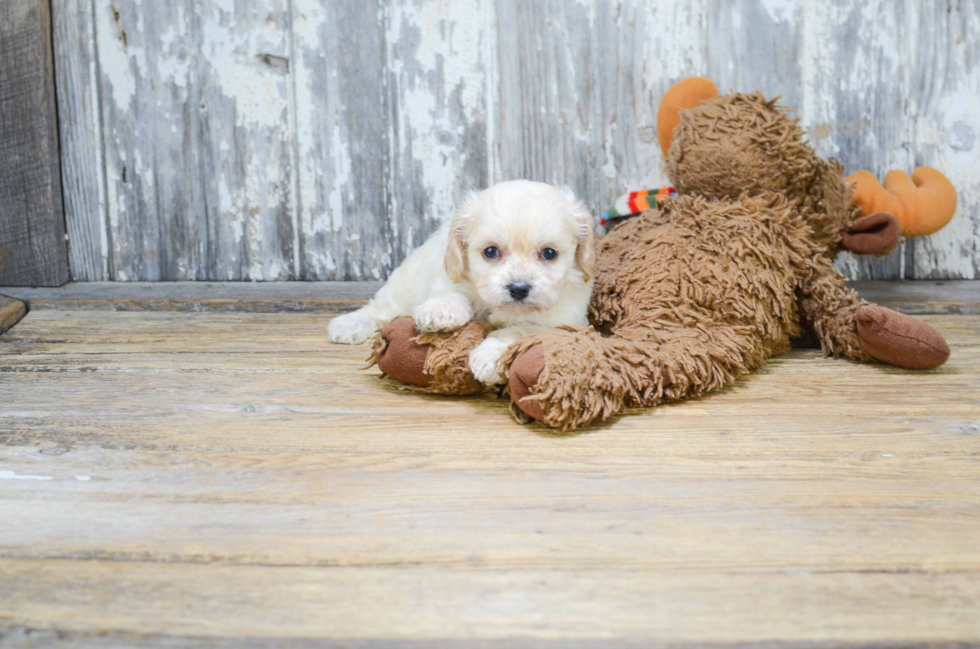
[(519, 290)]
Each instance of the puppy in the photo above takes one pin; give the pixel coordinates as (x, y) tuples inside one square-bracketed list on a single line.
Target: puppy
[(519, 254)]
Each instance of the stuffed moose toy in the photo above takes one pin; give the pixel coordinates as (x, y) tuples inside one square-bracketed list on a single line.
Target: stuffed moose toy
[(707, 287)]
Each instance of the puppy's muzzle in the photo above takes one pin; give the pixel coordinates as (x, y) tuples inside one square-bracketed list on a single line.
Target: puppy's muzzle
[(519, 291)]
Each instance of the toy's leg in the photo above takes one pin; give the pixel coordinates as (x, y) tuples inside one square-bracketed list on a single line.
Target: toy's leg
[(829, 309), (845, 325), (438, 362), (569, 377)]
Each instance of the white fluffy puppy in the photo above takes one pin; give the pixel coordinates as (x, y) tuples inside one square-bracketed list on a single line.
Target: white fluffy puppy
[(519, 254)]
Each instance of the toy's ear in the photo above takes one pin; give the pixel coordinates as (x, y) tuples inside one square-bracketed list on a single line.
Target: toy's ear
[(923, 204), (684, 94), (875, 234), (585, 232), (455, 260)]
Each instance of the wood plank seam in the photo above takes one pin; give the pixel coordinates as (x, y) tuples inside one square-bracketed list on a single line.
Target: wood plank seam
[(916, 297)]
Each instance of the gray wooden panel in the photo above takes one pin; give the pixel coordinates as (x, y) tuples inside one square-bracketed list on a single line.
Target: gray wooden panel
[(946, 130), (392, 119), (32, 227), (324, 140), (857, 97), (195, 100), (755, 44), (439, 61), (342, 142), (83, 165), (638, 60), (548, 128)]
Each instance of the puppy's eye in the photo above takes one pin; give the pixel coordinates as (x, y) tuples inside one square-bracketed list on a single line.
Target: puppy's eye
[(491, 252), (549, 254)]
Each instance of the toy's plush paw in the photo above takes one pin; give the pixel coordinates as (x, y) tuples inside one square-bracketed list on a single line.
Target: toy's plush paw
[(400, 356), (484, 360), (438, 362), (524, 373), (351, 328), (443, 313), (900, 340), (875, 234)]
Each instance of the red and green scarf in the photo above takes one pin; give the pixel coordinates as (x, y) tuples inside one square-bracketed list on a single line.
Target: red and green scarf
[(633, 203)]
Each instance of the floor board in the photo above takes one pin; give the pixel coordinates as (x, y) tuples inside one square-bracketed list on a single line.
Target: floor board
[(919, 296), (170, 479)]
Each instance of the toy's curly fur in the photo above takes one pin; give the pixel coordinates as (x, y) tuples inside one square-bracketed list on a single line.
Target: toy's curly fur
[(448, 360), (686, 300), (744, 143)]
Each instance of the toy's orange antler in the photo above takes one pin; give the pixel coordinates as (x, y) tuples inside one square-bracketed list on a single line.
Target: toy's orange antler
[(923, 204), (686, 93)]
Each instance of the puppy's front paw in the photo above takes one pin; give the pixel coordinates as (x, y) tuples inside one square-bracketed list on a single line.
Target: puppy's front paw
[(351, 328), (484, 359), (443, 313)]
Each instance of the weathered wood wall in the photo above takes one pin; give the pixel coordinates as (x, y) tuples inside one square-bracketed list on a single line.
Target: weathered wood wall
[(316, 139), (32, 228)]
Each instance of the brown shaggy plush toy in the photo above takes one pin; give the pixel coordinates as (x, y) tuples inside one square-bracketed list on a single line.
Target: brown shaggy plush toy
[(689, 297)]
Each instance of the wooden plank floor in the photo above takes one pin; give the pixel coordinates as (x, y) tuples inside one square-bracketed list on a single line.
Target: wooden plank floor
[(230, 478)]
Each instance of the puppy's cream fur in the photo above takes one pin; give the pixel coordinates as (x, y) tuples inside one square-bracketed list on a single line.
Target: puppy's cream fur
[(451, 279)]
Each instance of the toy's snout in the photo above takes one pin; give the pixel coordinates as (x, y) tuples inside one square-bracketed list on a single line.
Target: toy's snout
[(875, 234)]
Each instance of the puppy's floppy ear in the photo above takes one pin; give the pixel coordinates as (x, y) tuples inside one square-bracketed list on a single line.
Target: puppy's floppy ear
[(585, 232), (455, 261)]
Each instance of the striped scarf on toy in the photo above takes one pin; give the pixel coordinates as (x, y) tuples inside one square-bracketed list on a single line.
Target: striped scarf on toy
[(633, 203)]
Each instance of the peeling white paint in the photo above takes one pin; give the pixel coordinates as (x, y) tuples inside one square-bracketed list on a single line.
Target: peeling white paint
[(667, 57), (780, 10), (339, 181), (233, 58), (438, 63), (277, 148), (11, 475), (856, 89), (945, 137), (116, 59), (323, 164)]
